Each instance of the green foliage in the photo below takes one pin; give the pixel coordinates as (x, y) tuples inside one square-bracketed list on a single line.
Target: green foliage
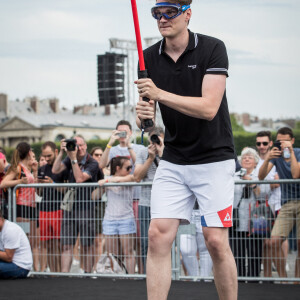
[(234, 124), (297, 126)]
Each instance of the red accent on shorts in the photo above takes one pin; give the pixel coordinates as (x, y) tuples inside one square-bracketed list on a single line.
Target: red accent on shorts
[(50, 224), (225, 216)]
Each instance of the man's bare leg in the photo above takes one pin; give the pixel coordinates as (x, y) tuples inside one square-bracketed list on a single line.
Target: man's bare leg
[(297, 263), (162, 233), (224, 266), (278, 256), (66, 258)]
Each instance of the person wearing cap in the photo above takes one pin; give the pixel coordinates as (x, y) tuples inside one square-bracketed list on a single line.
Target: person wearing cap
[(187, 78)]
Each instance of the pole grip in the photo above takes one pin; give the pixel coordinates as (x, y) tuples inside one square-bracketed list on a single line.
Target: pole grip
[(144, 74)]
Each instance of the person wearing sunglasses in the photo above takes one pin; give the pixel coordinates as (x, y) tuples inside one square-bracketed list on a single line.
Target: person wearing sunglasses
[(288, 167), (119, 227), (188, 74), (269, 192)]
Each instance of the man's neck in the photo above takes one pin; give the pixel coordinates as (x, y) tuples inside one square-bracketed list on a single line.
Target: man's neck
[(263, 156), (176, 46), (80, 158)]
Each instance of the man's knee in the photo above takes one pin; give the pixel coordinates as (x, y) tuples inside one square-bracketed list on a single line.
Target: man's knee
[(160, 235), (275, 242), (216, 240), (67, 248)]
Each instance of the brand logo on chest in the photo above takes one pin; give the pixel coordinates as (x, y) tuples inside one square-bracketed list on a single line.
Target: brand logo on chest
[(193, 67)]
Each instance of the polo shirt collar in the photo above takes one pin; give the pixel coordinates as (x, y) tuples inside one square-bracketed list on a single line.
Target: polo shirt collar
[(83, 161), (193, 43)]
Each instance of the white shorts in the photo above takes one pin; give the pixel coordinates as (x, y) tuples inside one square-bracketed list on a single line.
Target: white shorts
[(176, 188)]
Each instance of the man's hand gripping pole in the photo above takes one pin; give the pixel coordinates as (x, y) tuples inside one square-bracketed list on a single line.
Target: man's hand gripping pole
[(142, 72)]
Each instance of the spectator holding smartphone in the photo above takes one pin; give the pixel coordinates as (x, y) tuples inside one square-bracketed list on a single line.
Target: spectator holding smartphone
[(123, 134), (50, 216), (147, 162), (286, 158)]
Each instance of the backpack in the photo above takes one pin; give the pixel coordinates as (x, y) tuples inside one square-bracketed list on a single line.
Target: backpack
[(110, 264)]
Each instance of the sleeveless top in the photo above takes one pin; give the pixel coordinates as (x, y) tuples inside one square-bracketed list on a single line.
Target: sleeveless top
[(26, 196)]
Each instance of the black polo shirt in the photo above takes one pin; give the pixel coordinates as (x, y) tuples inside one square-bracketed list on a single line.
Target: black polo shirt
[(83, 194), (191, 140)]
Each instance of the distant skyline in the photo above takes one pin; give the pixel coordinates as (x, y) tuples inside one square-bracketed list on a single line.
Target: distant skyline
[(49, 48)]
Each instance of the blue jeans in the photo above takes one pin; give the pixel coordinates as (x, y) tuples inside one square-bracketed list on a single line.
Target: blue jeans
[(144, 218), (11, 271)]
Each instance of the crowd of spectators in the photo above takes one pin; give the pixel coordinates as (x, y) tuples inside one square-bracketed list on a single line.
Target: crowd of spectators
[(92, 220)]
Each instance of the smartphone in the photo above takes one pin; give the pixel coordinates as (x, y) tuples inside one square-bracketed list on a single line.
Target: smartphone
[(122, 134), (277, 144), (41, 176)]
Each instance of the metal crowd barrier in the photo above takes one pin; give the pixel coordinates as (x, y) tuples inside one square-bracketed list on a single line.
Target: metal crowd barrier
[(68, 239)]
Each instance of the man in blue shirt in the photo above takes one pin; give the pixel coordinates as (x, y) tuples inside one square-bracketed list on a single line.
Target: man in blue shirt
[(287, 162)]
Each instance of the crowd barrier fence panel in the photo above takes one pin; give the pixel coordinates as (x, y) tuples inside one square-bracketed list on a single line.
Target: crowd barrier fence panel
[(70, 242)]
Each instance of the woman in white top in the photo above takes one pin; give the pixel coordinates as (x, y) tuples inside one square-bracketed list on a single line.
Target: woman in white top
[(240, 239), (119, 226)]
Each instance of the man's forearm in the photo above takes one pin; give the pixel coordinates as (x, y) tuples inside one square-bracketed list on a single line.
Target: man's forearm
[(104, 159), (5, 257), (295, 170), (141, 172), (263, 171), (78, 174), (57, 163)]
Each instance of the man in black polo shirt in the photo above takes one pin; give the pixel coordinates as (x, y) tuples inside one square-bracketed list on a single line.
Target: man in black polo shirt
[(188, 76), (80, 218), (50, 216)]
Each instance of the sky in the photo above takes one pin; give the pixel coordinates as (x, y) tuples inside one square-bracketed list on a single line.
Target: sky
[(49, 48)]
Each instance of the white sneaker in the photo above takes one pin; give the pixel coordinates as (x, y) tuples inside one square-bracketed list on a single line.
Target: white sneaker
[(75, 262), (287, 267)]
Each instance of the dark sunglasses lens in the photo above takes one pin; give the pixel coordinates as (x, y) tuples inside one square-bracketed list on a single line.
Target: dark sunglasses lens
[(264, 143)]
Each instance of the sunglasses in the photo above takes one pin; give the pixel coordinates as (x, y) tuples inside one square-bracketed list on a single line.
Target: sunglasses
[(96, 154), (264, 143), (173, 10), (128, 168)]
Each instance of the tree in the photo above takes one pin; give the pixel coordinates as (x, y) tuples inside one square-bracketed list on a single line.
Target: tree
[(234, 124)]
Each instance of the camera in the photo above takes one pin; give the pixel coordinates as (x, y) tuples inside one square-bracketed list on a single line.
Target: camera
[(277, 144), (243, 172), (122, 134), (155, 139), (71, 144)]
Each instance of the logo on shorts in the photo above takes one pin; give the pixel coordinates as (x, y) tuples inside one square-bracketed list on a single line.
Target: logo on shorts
[(225, 216)]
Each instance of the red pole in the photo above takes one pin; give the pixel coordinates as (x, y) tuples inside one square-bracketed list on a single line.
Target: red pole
[(138, 35)]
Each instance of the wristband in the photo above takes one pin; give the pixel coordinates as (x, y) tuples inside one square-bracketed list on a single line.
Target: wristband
[(106, 180), (108, 146), (129, 148)]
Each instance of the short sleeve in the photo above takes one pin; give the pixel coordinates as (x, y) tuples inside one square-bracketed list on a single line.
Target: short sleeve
[(140, 157), (12, 239), (218, 63), (91, 168), (67, 163)]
